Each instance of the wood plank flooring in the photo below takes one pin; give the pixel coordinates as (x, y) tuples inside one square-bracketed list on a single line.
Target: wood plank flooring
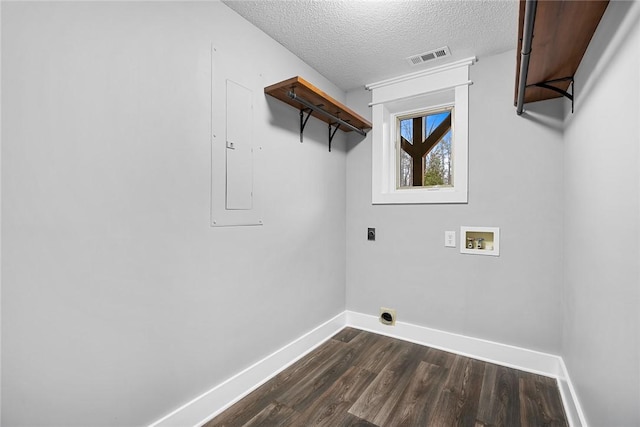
[(363, 379)]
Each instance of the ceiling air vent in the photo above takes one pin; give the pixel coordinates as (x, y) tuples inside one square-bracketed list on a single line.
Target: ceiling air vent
[(429, 56)]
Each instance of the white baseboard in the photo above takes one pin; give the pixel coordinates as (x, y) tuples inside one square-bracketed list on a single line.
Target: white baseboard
[(570, 399), (208, 405), (488, 351), (501, 354)]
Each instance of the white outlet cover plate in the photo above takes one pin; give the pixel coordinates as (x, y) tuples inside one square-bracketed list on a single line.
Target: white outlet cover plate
[(450, 239)]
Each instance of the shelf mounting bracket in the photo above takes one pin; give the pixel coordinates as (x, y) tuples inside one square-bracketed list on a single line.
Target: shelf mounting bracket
[(547, 85), (303, 120), (332, 133), (310, 108)]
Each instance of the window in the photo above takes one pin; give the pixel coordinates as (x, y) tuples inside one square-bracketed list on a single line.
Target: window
[(420, 132), (423, 149)]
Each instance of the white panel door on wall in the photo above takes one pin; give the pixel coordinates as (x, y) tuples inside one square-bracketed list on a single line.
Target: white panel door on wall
[(235, 158), (239, 152)]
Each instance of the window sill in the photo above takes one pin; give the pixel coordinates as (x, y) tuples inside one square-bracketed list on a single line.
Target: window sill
[(423, 196)]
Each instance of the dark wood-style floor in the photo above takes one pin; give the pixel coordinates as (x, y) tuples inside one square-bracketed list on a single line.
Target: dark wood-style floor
[(363, 379)]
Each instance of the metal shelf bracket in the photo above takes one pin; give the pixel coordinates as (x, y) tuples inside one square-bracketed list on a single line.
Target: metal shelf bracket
[(303, 120), (547, 85), (337, 121), (332, 134)]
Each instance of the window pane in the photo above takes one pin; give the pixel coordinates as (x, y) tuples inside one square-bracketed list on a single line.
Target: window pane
[(406, 130), (434, 120), (406, 170), (438, 166), (424, 150)]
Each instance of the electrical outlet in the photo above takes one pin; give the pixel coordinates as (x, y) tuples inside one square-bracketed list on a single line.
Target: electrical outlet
[(450, 239), (371, 234)]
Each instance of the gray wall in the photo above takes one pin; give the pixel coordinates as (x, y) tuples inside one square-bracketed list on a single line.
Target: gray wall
[(602, 224), (119, 302), (515, 183)]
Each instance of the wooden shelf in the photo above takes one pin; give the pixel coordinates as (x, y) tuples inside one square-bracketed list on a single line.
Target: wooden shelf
[(561, 33), (308, 92)]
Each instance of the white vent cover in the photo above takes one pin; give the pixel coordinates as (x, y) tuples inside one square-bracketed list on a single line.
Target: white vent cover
[(429, 56)]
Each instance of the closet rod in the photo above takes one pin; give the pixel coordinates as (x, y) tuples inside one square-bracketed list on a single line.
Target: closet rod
[(306, 103), (527, 36)]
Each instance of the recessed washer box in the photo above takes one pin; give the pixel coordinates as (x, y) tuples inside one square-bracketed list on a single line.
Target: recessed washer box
[(480, 240)]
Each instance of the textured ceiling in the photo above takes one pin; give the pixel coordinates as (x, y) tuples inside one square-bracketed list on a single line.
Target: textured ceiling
[(355, 42)]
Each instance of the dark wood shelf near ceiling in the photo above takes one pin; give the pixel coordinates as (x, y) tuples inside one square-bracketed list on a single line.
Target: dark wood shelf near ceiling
[(562, 31), (306, 91)]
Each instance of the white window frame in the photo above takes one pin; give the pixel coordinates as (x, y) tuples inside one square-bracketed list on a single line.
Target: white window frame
[(435, 88)]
